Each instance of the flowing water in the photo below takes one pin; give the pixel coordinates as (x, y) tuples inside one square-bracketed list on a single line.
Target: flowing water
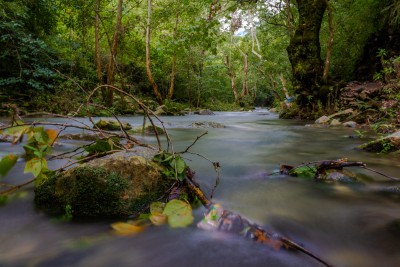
[(347, 224)]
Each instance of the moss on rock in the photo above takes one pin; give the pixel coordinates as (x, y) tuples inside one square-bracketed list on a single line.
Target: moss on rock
[(387, 144), (119, 185), (112, 125)]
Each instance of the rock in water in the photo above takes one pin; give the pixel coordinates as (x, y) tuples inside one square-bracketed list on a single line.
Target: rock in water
[(323, 120), (117, 185), (204, 112), (389, 143), (112, 125)]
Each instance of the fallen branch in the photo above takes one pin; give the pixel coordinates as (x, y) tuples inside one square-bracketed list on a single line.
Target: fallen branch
[(226, 221), (320, 168)]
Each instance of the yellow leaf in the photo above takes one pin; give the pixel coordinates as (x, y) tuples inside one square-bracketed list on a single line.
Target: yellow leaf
[(35, 166), (157, 208), (123, 228), (158, 219), (52, 134), (16, 132)]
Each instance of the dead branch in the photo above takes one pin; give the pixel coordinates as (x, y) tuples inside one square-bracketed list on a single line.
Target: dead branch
[(324, 165), (194, 142), (227, 221)]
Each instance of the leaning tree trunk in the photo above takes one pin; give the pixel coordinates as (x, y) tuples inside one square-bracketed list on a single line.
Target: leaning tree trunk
[(304, 54)]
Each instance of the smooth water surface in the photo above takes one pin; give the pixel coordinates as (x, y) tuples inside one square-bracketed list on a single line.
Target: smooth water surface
[(346, 224)]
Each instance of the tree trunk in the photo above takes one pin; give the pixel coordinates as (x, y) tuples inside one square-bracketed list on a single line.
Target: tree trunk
[(304, 54), (289, 17), (153, 84), (113, 54), (245, 90), (172, 80), (97, 52), (328, 43), (97, 42), (232, 77)]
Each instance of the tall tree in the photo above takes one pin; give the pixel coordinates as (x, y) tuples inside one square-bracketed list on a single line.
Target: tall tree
[(153, 84), (99, 71), (172, 79), (113, 55), (304, 53)]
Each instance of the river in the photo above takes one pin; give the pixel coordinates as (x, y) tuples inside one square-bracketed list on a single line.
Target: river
[(347, 224)]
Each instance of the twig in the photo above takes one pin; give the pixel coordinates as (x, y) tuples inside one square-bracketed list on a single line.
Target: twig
[(194, 142), (16, 187), (385, 175)]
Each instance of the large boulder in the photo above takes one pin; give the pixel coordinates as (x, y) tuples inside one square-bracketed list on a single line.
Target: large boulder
[(117, 185)]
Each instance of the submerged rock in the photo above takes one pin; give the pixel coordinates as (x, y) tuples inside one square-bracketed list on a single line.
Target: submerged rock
[(207, 124), (112, 125), (350, 124), (204, 112), (116, 185), (148, 130)]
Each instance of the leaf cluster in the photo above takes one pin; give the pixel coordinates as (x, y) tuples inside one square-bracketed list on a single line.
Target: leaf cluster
[(175, 165)]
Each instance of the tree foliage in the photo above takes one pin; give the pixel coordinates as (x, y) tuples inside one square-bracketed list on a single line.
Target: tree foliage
[(50, 46)]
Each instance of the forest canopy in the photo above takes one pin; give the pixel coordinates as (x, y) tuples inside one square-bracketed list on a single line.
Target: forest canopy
[(207, 53)]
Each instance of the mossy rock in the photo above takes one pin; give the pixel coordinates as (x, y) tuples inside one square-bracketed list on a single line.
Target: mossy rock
[(112, 125), (114, 186), (390, 143), (148, 130)]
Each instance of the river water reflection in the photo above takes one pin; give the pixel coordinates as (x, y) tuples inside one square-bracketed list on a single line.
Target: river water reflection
[(346, 224)]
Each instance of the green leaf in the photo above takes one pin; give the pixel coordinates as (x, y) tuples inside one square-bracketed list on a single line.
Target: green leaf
[(179, 213), (3, 199), (35, 166), (99, 146), (7, 163), (180, 165), (40, 135)]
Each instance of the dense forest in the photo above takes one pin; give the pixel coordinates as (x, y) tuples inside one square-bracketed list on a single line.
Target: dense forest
[(217, 54)]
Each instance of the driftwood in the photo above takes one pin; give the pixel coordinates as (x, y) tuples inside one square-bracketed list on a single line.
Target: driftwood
[(320, 168), (223, 220)]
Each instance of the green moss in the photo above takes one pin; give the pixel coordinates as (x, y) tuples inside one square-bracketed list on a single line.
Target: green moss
[(116, 187), (112, 125), (89, 192), (379, 146)]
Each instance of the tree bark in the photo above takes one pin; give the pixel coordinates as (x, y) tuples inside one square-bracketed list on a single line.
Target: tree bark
[(97, 42), (172, 80), (113, 54), (153, 84), (245, 90), (304, 54), (328, 43), (289, 17), (232, 77)]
